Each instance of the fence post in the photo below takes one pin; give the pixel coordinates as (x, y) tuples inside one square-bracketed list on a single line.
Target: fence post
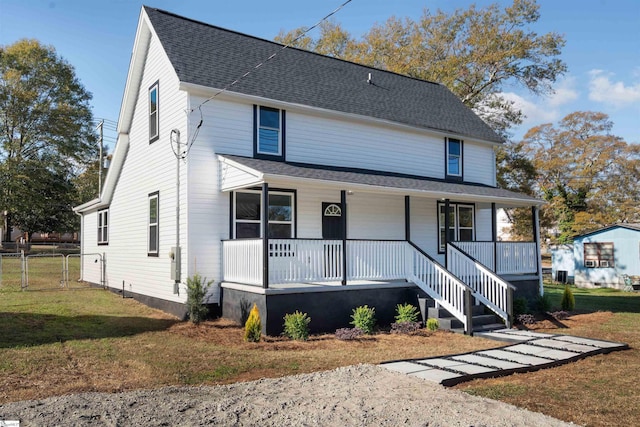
[(468, 311)]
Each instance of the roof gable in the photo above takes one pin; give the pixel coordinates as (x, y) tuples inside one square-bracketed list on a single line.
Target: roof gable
[(209, 56), (631, 227)]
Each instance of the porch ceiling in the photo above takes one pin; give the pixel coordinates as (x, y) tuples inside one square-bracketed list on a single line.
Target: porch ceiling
[(243, 172)]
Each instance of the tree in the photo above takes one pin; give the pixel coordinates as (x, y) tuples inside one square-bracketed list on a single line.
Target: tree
[(588, 176), (46, 137), (474, 52)]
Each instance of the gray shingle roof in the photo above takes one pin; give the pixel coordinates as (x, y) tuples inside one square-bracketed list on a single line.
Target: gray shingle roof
[(379, 179), (210, 56)]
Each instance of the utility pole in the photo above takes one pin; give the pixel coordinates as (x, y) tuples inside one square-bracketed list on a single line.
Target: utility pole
[(100, 125)]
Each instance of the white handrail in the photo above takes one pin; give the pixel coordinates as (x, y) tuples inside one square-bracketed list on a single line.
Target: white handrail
[(439, 284), (503, 257), (488, 288)]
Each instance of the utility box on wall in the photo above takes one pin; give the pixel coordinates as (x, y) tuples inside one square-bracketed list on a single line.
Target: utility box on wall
[(175, 263)]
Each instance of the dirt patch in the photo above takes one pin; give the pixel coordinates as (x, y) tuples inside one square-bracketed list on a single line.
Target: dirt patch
[(352, 395)]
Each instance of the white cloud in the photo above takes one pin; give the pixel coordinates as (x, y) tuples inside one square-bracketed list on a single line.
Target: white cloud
[(535, 114), (616, 93), (564, 92)]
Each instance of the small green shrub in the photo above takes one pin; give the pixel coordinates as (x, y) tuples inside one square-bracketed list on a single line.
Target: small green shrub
[(433, 324), (197, 288), (543, 303), (253, 326), (296, 326), (406, 313), (364, 318), (568, 302), (520, 306)]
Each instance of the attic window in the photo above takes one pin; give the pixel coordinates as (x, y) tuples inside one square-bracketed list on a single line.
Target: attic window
[(154, 123)]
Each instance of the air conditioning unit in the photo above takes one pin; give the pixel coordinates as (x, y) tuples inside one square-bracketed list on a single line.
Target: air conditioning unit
[(604, 263), (589, 263)]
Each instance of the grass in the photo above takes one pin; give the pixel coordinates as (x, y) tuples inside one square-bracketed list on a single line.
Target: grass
[(59, 342), (596, 391), (69, 341)]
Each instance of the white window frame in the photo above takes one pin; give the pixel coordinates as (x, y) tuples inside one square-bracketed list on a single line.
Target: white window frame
[(153, 228), (449, 156), (456, 222), (290, 194), (103, 227), (154, 116), (279, 130)]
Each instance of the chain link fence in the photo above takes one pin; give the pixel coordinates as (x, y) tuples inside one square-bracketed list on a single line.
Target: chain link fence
[(47, 271)]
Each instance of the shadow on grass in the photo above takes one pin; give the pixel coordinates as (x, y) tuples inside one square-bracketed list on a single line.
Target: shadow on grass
[(29, 329), (602, 299)]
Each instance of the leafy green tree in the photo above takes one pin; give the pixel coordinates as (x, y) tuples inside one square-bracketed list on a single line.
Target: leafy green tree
[(46, 136), (474, 52)]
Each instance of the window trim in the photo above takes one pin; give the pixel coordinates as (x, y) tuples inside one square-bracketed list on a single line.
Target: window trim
[(103, 227), (156, 87), (452, 176), (456, 206), (599, 260), (154, 195), (281, 155), (276, 191)]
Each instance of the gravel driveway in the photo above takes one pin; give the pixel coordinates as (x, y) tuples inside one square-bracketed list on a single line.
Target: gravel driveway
[(362, 395)]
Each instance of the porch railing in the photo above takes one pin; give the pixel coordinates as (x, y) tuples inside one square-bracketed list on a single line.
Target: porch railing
[(309, 260), (488, 287), (503, 257)]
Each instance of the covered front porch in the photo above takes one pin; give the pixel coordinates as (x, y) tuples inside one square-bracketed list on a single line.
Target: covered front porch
[(317, 252)]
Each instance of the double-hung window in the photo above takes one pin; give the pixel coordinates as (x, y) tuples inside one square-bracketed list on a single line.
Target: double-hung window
[(598, 255), (154, 123), (153, 230), (103, 227), (269, 132), (247, 214), (461, 224), (454, 158)]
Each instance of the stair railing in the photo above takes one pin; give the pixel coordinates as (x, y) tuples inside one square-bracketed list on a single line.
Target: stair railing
[(441, 285), (489, 288)]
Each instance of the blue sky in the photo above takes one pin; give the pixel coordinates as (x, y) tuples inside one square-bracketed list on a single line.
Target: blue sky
[(602, 43)]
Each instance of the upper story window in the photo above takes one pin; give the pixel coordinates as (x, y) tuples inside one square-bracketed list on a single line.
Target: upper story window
[(454, 158), (598, 255), (269, 141), (154, 123), (153, 230), (248, 213), (103, 227)]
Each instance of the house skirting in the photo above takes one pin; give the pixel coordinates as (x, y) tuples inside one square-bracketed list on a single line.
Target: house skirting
[(329, 307), (527, 286)]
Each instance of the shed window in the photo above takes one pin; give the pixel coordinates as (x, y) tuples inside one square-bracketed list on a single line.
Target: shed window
[(598, 255)]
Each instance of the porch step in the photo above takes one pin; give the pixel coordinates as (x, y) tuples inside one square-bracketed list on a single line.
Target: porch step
[(481, 322)]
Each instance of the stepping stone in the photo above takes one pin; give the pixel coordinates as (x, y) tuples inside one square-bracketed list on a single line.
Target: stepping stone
[(523, 359), (488, 361), (588, 341), (563, 345), (436, 375), (404, 367), (524, 333), (457, 365), (439, 362)]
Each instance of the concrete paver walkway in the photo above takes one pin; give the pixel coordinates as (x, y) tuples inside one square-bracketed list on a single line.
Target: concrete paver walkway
[(529, 351)]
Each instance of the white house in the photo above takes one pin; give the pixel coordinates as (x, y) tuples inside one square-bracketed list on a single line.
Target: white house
[(310, 184)]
